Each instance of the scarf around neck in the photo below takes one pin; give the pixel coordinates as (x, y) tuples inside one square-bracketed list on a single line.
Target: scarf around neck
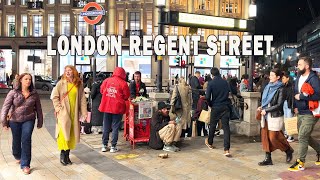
[(268, 93)]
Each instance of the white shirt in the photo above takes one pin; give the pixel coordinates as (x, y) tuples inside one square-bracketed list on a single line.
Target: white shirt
[(302, 79)]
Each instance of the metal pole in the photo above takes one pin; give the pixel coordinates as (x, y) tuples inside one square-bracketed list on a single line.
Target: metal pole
[(251, 62), (160, 32), (94, 65)]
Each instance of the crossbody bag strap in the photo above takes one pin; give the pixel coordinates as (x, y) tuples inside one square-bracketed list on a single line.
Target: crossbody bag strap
[(66, 94)]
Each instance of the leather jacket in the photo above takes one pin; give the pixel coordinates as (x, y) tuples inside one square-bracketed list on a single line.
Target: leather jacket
[(276, 104)]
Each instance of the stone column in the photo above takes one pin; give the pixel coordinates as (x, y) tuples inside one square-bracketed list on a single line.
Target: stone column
[(75, 22), (111, 60), (249, 126), (29, 25), (1, 26), (190, 6), (245, 9), (125, 21)]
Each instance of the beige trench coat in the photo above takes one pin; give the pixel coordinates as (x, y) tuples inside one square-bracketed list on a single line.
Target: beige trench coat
[(184, 113), (63, 109)]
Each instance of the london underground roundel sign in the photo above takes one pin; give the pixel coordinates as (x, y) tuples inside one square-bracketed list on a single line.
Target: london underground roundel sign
[(95, 10)]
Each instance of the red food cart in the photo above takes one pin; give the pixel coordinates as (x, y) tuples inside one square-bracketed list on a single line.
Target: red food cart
[(126, 122), (140, 114)]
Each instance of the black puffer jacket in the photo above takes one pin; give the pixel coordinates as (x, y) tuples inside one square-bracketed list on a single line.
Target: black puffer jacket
[(276, 104)]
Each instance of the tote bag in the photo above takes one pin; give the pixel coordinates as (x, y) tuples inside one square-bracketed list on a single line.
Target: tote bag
[(205, 116), (291, 125)]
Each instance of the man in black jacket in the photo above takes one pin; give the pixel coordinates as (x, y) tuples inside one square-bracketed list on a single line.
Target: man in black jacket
[(137, 88), (195, 85), (306, 120), (217, 96), (164, 133)]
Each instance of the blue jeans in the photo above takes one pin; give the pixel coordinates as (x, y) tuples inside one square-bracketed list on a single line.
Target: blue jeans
[(114, 121), (287, 111), (21, 141)]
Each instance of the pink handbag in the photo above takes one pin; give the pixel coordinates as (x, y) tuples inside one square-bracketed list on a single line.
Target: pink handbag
[(88, 120)]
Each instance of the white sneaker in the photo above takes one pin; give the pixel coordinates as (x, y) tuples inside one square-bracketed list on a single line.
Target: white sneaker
[(114, 149), (104, 148), (290, 139)]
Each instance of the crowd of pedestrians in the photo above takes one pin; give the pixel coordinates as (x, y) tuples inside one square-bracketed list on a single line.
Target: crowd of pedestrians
[(180, 118)]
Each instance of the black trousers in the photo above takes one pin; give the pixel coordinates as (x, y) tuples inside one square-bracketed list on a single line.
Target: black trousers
[(220, 112)]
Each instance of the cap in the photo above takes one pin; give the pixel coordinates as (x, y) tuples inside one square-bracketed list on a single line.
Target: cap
[(162, 105)]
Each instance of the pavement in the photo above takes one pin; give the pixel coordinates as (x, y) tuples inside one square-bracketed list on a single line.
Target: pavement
[(194, 161)]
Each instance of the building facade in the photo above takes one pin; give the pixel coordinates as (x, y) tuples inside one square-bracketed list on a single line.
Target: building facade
[(25, 26), (308, 39)]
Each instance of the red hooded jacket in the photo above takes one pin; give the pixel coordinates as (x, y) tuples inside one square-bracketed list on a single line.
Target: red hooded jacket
[(115, 91)]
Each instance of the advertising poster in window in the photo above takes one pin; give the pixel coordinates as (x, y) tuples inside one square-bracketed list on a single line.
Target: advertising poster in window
[(203, 60), (229, 62), (136, 63)]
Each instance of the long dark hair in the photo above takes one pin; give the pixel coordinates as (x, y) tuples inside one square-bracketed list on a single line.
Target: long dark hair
[(19, 85)]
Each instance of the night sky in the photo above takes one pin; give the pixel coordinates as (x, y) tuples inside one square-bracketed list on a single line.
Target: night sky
[(283, 18)]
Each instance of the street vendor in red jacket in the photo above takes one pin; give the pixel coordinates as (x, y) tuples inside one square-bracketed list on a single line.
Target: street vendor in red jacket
[(137, 88), (115, 92)]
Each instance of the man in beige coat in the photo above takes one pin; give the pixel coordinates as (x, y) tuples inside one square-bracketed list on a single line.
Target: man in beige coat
[(183, 114)]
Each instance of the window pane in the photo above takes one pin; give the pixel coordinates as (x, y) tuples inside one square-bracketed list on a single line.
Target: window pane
[(101, 29), (51, 1), (23, 2), (65, 1), (51, 24), (37, 25), (24, 25), (11, 2), (11, 25), (65, 24), (134, 21), (82, 26), (149, 22)]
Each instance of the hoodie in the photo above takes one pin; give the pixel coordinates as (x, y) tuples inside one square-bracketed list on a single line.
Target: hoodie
[(115, 92), (303, 103)]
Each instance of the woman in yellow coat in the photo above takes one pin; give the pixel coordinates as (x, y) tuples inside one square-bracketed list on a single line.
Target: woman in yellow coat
[(70, 104)]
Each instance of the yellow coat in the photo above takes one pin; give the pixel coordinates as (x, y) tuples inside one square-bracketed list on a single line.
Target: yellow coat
[(63, 109)]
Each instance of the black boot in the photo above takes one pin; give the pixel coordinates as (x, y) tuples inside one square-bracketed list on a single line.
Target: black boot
[(289, 153), (67, 157), (267, 160), (63, 158)]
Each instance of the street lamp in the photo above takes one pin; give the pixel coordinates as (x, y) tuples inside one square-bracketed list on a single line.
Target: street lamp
[(161, 4), (252, 15)]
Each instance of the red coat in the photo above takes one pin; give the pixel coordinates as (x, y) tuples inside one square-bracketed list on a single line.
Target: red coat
[(115, 92)]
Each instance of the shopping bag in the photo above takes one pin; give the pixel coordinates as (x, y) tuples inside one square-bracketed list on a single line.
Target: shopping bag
[(87, 120), (194, 129), (258, 115), (234, 113), (291, 125), (205, 116)]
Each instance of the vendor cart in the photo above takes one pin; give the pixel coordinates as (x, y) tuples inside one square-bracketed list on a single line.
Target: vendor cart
[(126, 122), (140, 114)]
